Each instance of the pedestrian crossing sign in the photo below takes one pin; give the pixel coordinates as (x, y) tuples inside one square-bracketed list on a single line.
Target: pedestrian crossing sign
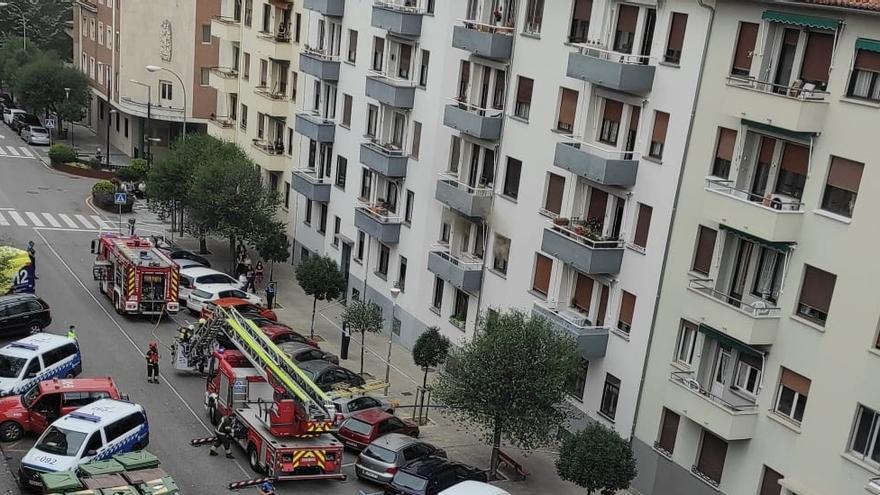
[(50, 123), (120, 198)]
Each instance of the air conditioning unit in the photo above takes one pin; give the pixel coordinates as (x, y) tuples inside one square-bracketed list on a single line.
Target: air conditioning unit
[(784, 202), (873, 486), (693, 384)]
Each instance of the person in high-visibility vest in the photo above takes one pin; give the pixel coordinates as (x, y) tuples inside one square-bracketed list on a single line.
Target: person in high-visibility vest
[(71, 332)]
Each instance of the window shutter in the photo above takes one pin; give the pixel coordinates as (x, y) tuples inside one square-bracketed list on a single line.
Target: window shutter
[(524, 92), (867, 60), (795, 381), (634, 118), (705, 250), (795, 158), (603, 306), (766, 153), (669, 430), (726, 143), (745, 46), (676, 31), (598, 204), (817, 57), (582, 9), (770, 482), (845, 174), (555, 187), (543, 267), (661, 122), (612, 111), (751, 359), (817, 288), (626, 18), (568, 106), (583, 292), (627, 307), (643, 225), (712, 455)]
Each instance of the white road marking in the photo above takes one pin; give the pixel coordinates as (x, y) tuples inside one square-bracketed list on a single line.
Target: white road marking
[(27, 152), (34, 219), (101, 223), (13, 151), (84, 221), (3, 220), (66, 219), (49, 218), (17, 218)]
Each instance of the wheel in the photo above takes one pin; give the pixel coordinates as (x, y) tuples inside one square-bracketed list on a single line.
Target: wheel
[(70, 375), (254, 459), (213, 416), (35, 327), (116, 304), (10, 431)]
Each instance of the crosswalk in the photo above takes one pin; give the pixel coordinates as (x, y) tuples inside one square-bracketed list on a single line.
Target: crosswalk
[(72, 221), (16, 152)]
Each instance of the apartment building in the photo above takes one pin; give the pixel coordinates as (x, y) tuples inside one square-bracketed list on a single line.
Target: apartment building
[(761, 375), (161, 33)]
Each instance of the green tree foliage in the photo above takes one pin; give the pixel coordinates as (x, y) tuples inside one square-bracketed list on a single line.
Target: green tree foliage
[(510, 381), (596, 458), (46, 23), (104, 186), (40, 84), (430, 350), (363, 317), (271, 242), (13, 56), (320, 277)]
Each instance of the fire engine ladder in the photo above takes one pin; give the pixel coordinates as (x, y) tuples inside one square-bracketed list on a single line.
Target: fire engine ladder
[(200, 341)]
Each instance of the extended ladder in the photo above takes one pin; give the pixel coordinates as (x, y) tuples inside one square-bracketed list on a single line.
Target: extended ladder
[(198, 348)]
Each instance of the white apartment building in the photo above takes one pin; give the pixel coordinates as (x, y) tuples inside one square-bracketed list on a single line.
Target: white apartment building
[(481, 155), (763, 363)]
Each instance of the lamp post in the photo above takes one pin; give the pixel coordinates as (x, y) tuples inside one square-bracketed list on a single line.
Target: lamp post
[(395, 291), (148, 139), (156, 68), (109, 118), (69, 124), (23, 21)]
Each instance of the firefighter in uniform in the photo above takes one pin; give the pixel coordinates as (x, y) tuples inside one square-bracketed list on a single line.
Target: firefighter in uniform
[(224, 435), (153, 363)]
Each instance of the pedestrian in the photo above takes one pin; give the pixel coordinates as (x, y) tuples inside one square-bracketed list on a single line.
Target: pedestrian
[(32, 254), (247, 261), (266, 488), (250, 277), (258, 271), (242, 281), (224, 435), (270, 295), (71, 332), (153, 363)]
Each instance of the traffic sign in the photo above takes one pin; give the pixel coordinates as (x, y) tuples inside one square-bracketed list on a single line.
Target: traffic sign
[(50, 123), (120, 198)]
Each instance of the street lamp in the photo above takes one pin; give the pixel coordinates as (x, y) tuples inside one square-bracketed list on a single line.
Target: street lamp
[(149, 106), (23, 20), (69, 124), (156, 68), (395, 291), (109, 118)]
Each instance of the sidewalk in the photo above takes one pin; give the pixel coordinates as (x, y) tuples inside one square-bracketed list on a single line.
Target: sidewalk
[(87, 142)]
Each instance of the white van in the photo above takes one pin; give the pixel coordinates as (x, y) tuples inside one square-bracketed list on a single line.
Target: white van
[(471, 487), (93, 432), (26, 362)]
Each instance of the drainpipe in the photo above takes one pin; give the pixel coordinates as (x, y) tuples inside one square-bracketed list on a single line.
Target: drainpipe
[(687, 146)]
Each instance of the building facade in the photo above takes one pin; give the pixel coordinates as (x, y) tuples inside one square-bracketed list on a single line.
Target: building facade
[(761, 370)]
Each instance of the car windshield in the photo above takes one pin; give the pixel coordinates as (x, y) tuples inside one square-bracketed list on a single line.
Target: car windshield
[(28, 399), (202, 294), (10, 367), (216, 278), (60, 441), (40, 130), (382, 454), (358, 426), (406, 480)]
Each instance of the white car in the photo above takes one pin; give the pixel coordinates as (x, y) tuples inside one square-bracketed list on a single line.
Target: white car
[(199, 297), (10, 113), (194, 277), (35, 134)]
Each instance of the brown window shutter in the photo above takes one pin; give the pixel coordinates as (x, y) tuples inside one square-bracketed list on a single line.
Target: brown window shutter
[(745, 46), (705, 249), (634, 118), (568, 107), (770, 482), (845, 174), (627, 307), (795, 381), (543, 267), (661, 122), (643, 225), (583, 292), (676, 31), (582, 9), (603, 307), (627, 16), (726, 143), (524, 91), (712, 454), (669, 430), (555, 187), (791, 36), (817, 57), (795, 158), (867, 60), (817, 288), (612, 111), (767, 147), (751, 360), (598, 204)]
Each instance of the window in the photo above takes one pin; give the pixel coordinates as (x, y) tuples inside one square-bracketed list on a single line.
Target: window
[(610, 393), (523, 102), (745, 49), (378, 61), (770, 482), (583, 293), (206, 33), (511, 178), (643, 226), (337, 229), (416, 140), (817, 58), (408, 207), (322, 218), (109, 37), (244, 116), (534, 16), (658, 137), (627, 308), (460, 308), (165, 90), (543, 269), (286, 194), (864, 81), (100, 33), (748, 374), (705, 250), (384, 254), (577, 380), (791, 398), (92, 29), (444, 233), (675, 42), (206, 72), (863, 442), (423, 68), (686, 343), (125, 127), (437, 300), (580, 21), (248, 12), (567, 108), (360, 245), (308, 214), (710, 461), (500, 253), (366, 184), (815, 297), (625, 29), (346, 110), (352, 46), (372, 120), (723, 152), (246, 66), (401, 274), (611, 116), (553, 198), (297, 28), (668, 432), (842, 186)]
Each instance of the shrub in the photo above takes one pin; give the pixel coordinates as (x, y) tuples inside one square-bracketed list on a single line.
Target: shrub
[(104, 186), (61, 153), (135, 172)]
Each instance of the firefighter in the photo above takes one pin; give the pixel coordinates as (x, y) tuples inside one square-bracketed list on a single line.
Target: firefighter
[(153, 363), (184, 332), (224, 435), (71, 332)]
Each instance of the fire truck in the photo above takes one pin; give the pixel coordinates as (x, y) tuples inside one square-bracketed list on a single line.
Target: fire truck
[(283, 420), (135, 275)]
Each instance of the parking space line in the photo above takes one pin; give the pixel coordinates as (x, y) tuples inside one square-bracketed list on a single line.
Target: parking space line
[(27, 152)]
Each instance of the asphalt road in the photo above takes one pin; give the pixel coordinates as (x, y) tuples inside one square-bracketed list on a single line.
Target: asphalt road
[(111, 344)]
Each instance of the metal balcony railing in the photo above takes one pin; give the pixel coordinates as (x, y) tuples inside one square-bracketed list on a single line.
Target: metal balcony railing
[(462, 260), (225, 72), (391, 80), (598, 51), (452, 180), (796, 91), (755, 307), (379, 212), (231, 21), (686, 379), (482, 112), (223, 121), (320, 54), (408, 6), (311, 175), (575, 229), (269, 147), (777, 202), (571, 315), (600, 150), (486, 28)]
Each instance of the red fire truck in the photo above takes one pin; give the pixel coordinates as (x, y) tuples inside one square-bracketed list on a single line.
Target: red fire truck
[(135, 275)]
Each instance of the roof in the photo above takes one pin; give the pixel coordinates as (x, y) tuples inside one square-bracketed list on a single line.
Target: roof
[(370, 416), (140, 250), (73, 384), (471, 487), (17, 297), (872, 5), (395, 441), (316, 365), (427, 466), (104, 410), (40, 341)]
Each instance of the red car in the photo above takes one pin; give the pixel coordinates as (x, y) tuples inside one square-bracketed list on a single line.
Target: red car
[(243, 306), (362, 427), (37, 409), (277, 333)]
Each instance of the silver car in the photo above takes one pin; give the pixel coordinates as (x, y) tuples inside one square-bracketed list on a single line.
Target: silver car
[(34, 134), (348, 405), (382, 458)]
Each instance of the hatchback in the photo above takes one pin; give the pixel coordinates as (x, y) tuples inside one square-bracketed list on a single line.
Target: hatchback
[(431, 475), (35, 134), (361, 428), (382, 458), (196, 276), (206, 293), (301, 352), (23, 313), (328, 375)]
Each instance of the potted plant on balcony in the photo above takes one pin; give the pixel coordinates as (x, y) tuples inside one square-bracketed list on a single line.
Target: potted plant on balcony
[(561, 221)]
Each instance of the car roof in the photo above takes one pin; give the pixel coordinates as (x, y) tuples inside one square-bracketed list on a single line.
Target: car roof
[(215, 288), (30, 345), (395, 441), (294, 346), (231, 302), (187, 263), (76, 384), (198, 271), (273, 330), (471, 487), (100, 412), (371, 416), (429, 465), (17, 297), (317, 365)]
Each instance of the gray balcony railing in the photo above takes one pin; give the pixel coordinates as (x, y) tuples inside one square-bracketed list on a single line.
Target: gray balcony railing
[(461, 270), (754, 307), (611, 69), (307, 182), (686, 379), (797, 91), (225, 72), (592, 340), (319, 63), (398, 16), (776, 202), (486, 40), (378, 221), (389, 90), (474, 202), (481, 123), (597, 162), (385, 158)]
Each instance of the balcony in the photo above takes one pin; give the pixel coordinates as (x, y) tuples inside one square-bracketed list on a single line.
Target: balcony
[(333, 8), (729, 421), (270, 157), (385, 159), (592, 341), (571, 242), (315, 127), (395, 17), (597, 163), (474, 121), (226, 28), (400, 93), (791, 108), (472, 202), (278, 45), (485, 40), (318, 64), (222, 127), (748, 319), (460, 270), (223, 79), (274, 103), (307, 182), (378, 221), (619, 71), (774, 218)]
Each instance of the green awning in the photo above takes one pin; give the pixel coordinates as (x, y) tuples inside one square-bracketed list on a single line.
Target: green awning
[(782, 247), (727, 339), (801, 20), (868, 45), (800, 136)]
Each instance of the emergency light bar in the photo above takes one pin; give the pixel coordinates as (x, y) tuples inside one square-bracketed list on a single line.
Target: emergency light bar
[(85, 417), (21, 345)]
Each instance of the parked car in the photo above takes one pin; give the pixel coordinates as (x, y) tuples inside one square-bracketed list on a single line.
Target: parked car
[(23, 119), (23, 313), (431, 475), (472, 487), (386, 454), (362, 427), (278, 334), (195, 277), (212, 292), (35, 134), (328, 375), (184, 263), (9, 113), (346, 406), (243, 306), (183, 254), (301, 352)]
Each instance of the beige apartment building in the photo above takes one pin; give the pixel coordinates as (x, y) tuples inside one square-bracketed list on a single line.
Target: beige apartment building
[(764, 357)]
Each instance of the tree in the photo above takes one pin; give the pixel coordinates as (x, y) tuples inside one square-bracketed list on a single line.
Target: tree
[(44, 84), (320, 277), (430, 350), (46, 23), (596, 458), (363, 317), (270, 241), (510, 380)]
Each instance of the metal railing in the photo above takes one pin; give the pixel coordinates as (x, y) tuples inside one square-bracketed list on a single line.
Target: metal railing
[(756, 308), (407, 6), (797, 91), (572, 316), (770, 201), (686, 379), (452, 180), (269, 147), (225, 72), (316, 117), (599, 150), (223, 121), (391, 80), (598, 51), (226, 20), (463, 260), (320, 54), (572, 231), (389, 149), (482, 112), (279, 93), (379, 212), (311, 175), (486, 28)]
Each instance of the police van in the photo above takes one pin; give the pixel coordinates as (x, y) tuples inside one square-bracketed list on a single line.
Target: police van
[(93, 432), (26, 362)]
